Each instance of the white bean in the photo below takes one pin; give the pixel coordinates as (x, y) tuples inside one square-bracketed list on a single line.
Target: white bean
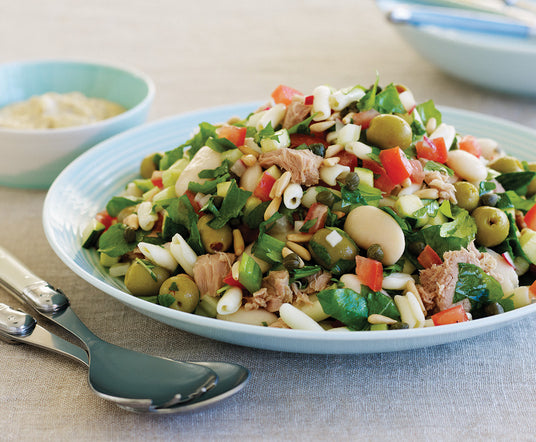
[(467, 166), (369, 225)]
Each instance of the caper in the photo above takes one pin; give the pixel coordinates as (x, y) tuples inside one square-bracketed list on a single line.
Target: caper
[(292, 261), (399, 326), (493, 308), (325, 197), (144, 279), (492, 225), (149, 165), (466, 195), (489, 199), (416, 247), (351, 181), (184, 290), (214, 240), (318, 149), (129, 234), (375, 251), (386, 131)]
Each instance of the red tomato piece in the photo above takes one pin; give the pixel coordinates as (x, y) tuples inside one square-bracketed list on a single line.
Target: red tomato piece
[(370, 272), (299, 139), (530, 218), (435, 149), (193, 202), (283, 94), (381, 179), (451, 315), (417, 175), (262, 191), (319, 212), (428, 257), (532, 289), (470, 144), (347, 159), (157, 181), (235, 134), (105, 219), (229, 280), (396, 164)]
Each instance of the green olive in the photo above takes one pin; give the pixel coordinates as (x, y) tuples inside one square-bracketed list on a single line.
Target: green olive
[(333, 249), (466, 195), (184, 290), (144, 279), (492, 225), (531, 190), (148, 165), (506, 164), (386, 131), (214, 240)]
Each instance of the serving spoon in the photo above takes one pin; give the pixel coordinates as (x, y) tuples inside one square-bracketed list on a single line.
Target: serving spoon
[(129, 378), (19, 327)]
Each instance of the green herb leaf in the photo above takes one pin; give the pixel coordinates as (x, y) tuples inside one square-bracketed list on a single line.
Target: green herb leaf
[(345, 305), (118, 203), (388, 101), (431, 166), (380, 304), (112, 242), (428, 110), (516, 181), (232, 205), (166, 299)]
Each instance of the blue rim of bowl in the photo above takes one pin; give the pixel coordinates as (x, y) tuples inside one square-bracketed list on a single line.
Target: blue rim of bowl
[(149, 96)]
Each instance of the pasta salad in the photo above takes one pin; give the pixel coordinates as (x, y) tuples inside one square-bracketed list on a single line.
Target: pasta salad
[(346, 209)]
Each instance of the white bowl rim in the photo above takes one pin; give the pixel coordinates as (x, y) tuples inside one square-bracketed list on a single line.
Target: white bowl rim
[(149, 96)]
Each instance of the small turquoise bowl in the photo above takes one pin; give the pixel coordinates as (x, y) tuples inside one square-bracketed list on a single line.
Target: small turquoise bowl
[(33, 158)]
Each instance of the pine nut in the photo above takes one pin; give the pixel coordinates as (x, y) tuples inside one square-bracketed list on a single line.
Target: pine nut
[(272, 208), (299, 237), (238, 242), (235, 270), (301, 251), (132, 221), (334, 149), (280, 185), (321, 126), (285, 252), (249, 159), (428, 194), (331, 161), (246, 150), (380, 319)]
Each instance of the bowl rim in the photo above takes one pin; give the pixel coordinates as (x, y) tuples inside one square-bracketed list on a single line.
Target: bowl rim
[(134, 72)]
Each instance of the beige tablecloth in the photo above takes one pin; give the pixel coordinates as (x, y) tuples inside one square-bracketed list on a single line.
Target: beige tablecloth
[(206, 53)]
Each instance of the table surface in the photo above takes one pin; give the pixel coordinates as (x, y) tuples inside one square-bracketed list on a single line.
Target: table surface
[(208, 53)]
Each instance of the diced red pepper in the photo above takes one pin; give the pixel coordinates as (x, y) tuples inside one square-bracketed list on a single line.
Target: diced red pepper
[(193, 202), (319, 212), (309, 100), (370, 272), (428, 257), (451, 315), (308, 139), (157, 181), (235, 134), (532, 289), (283, 94), (530, 218), (262, 191), (229, 280), (347, 159), (432, 149), (105, 219), (381, 179), (396, 164), (470, 144)]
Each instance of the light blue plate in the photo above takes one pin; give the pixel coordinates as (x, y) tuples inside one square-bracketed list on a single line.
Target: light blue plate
[(86, 185)]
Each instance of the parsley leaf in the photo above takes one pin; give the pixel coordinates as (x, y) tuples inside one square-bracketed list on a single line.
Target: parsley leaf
[(118, 203), (231, 206)]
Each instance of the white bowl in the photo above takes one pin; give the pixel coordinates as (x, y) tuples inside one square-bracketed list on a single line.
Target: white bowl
[(505, 64), (33, 158)]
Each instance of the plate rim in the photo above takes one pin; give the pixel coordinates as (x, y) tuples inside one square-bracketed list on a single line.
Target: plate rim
[(280, 339)]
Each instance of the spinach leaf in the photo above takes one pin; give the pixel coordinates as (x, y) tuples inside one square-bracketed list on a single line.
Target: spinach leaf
[(368, 100), (388, 101), (516, 181), (428, 110), (524, 204), (267, 247), (432, 166), (118, 203), (209, 186), (302, 127), (485, 187), (231, 206), (479, 287), (380, 303), (182, 212), (363, 195), (113, 243), (346, 305)]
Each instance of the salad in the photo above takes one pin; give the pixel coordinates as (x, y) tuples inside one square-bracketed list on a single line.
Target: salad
[(346, 209)]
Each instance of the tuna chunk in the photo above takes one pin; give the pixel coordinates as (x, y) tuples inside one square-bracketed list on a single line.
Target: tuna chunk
[(302, 164), (296, 113), (437, 283), (210, 269), (275, 291), (315, 283)]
